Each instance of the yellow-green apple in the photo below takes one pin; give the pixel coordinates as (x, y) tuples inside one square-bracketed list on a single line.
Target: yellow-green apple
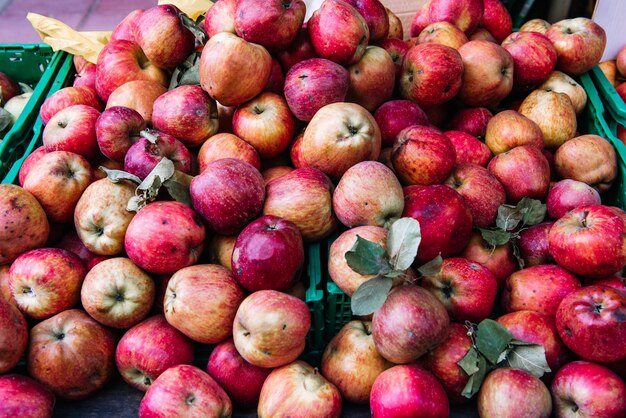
[(225, 145), (339, 136), (408, 390), (67, 97), (8, 88), (372, 78), (375, 15), (275, 172), (24, 397), (57, 180), (304, 197), (298, 389), (534, 58), (368, 194), (71, 354), (353, 349), (395, 115), (233, 70), (466, 15), (101, 218), (274, 24), (431, 74), (148, 349), (499, 259), (554, 113), (117, 128), (466, 288), (410, 323), (509, 129), (537, 328), (535, 25), (533, 245), (442, 362), (513, 392), (73, 129), (592, 322), (220, 18), (422, 155), (301, 49), (482, 34), (201, 302), (266, 123), (138, 95), (539, 288), (590, 159), (444, 217), (487, 73), (164, 237), (187, 113), (579, 44), (185, 388), (270, 327), (16, 105), (577, 391), (471, 120), (228, 194), (126, 28), (117, 293), (444, 33), (145, 154), (397, 49), (46, 281), (220, 250), (163, 37), (268, 254), (338, 32), (14, 333), (562, 83), (496, 19), (523, 171), (395, 26), (420, 20), (469, 149), (568, 194), (122, 61), (241, 380), (314, 83)]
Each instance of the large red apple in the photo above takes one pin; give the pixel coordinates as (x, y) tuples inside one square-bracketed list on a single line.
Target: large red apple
[(509, 129), (579, 44), (534, 58), (117, 128), (21, 396), (372, 78), (496, 19), (13, 336), (569, 194), (469, 149), (73, 129), (533, 244), (220, 18), (523, 171), (67, 97), (395, 115)]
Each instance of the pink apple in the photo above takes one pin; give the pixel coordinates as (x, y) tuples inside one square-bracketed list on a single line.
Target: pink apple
[(14, 333), (225, 145), (22, 396), (469, 149), (73, 129), (420, 20), (395, 115), (443, 33), (534, 58), (220, 17), (138, 95), (471, 120), (372, 78), (126, 28), (568, 194), (499, 259), (579, 44), (117, 128), (67, 97), (496, 19), (144, 155), (533, 244), (523, 171), (466, 15)]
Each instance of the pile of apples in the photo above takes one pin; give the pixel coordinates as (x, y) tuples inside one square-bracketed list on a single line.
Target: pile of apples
[(182, 175)]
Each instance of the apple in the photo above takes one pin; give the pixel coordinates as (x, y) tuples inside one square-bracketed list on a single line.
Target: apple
[(185, 388), (117, 128), (66, 97), (8, 88), (300, 50), (351, 349), (466, 15), (482, 34), (375, 15), (443, 33), (533, 244), (471, 120), (422, 155), (225, 145), (554, 113), (499, 259), (469, 149), (579, 44), (408, 390), (71, 354), (620, 62), (24, 397), (397, 49), (73, 129), (276, 82), (144, 155), (29, 161), (562, 83), (487, 73), (5, 290), (220, 18), (273, 24), (298, 389), (509, 129), (395, 115), (539, 288), (270, 327), (275, 172), (148, 349), (71, 242), (101, 218), (14, 332), (241, 380), (46, 281), (589, 159), (338, 32), (497, 20), (57, 180), (420, 20), (513, 392), (187, 113), (523, 171), (576, 391), (535, 25), (372, 78), (121, 61), (568, 194), (228, 194), (534, 58), (126, 28), (138, 95), (395, 26)]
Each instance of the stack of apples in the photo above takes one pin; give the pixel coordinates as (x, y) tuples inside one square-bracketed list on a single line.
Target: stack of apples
[(183, 174)]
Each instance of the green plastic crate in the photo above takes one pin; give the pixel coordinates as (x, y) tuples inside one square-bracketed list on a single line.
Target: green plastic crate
[(316, 338), (613, 103)]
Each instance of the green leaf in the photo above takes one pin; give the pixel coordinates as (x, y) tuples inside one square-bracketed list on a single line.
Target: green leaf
[(508, 217), (367, 257), (534, 211), (178, 187), (492, 339), (195, 28), (518, 255), (469, 363), (116, 176), (476, 379), (431, 268), (187, 73), (370, 296), (531, 358), (495, 237), (403, 241)]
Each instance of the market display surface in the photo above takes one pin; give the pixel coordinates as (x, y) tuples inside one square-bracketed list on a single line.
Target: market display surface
[(247, 214)]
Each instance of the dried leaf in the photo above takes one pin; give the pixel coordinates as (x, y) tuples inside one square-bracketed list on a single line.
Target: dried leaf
[(178, 189), (161, 172), (150, 134), (5, 119), (116, 176), (508, 217), (370, 296), (431, 268), (531, 358), (187, 73), (367, 257), (195, 28), (403, 241), (476, 379)]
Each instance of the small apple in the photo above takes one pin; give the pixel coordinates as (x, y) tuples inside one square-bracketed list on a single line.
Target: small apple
[(73, 129), (499, 260), (535, 25), (466, 15), (562, 83), (395, 115), (145, 154), (469, 149), (568, 194), (471, 120), (138, 95), (523, 171), (509, 129), (443, 33), (225, 145), (117, 128), (533, 245), (300, 50), (66, 97)]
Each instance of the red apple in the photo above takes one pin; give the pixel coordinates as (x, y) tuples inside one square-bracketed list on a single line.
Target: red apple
[(375, 15), (220, 18), (275, 172), (533, 244), (471, 120), (554, 113), (579, 44), (138, 95), (482, 34), (397, 49), (300, 50), (126, 28), (73, 129), (148, 349), (14, 333), (372, 78), (509, 129), (499, 260), (523, 171), (8, 88), (535, 25), (117, 128), (71, 242), (276, 82), (144, 155), (469, 149), (24, 397), (226, 145), (568, 194), (395, 115), (466, 15), (5, 290), (443, 33), (420, 20), (534, 58), (66, 97), (29, 161), (496, 19)]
